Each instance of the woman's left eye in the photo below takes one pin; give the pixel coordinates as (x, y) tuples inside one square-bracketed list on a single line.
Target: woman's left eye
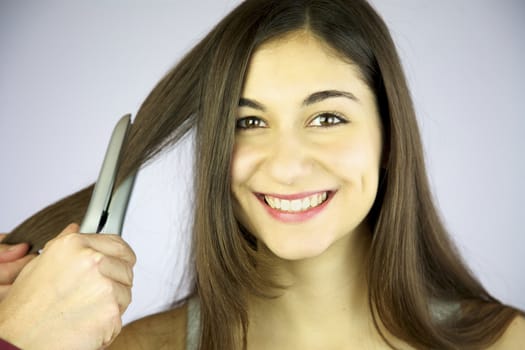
[(327, 119)]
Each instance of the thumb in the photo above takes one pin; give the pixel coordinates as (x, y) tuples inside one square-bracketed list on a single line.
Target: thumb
[(71, 228)]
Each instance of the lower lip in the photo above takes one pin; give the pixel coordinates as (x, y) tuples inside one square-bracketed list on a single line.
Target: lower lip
[(295, 217)]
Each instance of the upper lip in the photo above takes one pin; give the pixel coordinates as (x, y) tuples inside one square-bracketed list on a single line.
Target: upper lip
[(294, 195)]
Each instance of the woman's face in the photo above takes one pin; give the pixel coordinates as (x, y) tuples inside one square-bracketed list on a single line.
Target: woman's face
[(307, 148)]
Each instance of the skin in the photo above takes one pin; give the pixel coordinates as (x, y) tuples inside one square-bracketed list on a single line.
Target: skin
[(333, 144), (72, 295), (13, 258)]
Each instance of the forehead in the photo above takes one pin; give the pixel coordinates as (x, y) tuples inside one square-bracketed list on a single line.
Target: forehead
[(300, 62)]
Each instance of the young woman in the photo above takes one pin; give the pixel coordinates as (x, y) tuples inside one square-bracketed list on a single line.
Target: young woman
[(314, 225)]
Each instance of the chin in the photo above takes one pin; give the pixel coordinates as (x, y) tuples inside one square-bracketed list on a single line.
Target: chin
[(295, 250)]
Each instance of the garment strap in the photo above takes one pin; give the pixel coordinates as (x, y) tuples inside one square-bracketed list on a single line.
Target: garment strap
[(193, 324)]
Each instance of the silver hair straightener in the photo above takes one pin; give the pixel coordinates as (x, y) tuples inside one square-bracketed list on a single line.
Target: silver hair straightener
[(108, 205)]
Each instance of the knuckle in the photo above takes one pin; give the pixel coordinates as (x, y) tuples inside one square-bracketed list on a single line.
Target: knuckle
[(124, 250), (127, 276), (132, 257), (94, 258), (127, 299), (120, 248), (127, 252), (131, 276), (88, 259)]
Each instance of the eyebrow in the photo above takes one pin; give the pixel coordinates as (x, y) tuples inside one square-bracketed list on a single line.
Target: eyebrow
[(311, 99)]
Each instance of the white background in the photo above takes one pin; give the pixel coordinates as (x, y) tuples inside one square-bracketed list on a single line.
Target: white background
[(69, 70)]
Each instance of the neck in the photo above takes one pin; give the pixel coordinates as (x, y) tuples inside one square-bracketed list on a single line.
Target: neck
[(324, 294)]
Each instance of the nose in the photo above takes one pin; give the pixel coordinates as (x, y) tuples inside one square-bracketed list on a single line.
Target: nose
[(289, 160)]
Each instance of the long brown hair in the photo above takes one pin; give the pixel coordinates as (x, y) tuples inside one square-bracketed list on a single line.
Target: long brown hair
[(412, 261)]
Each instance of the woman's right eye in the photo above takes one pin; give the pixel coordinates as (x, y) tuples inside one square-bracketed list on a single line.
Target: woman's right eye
[(250, 123)]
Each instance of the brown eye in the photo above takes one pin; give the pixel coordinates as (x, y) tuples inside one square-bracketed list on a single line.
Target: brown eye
[(327, 119), (250, 123)]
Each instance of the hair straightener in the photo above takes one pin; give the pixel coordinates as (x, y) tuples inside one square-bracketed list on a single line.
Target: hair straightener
[(107, 207)]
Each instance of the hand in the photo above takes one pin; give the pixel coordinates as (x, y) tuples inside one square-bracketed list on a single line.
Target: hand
[(72, 295), (13, 258)]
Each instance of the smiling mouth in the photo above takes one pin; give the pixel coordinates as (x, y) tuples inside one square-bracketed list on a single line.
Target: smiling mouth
[(297, 205)]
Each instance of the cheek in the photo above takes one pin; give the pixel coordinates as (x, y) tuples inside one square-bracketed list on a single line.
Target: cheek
[(245, 160), (353, 156)]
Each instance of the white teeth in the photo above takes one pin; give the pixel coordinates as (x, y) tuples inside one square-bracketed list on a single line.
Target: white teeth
[(314, 201), (296, 205), (306, 203)]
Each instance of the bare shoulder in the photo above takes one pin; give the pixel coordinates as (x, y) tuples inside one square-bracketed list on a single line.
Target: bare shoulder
[(513, 338), (165, 330)]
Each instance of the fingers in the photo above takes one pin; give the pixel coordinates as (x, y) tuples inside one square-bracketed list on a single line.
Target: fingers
[(122, 296), (71, 228), (10, 270), (113, 257), (88, 281), (12, 252), (116, 269), (111, 245), (107, 244)]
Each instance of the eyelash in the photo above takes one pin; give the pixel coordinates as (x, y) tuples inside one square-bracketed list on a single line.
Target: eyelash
[(241, 122), (330, 115), (244, 120)]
